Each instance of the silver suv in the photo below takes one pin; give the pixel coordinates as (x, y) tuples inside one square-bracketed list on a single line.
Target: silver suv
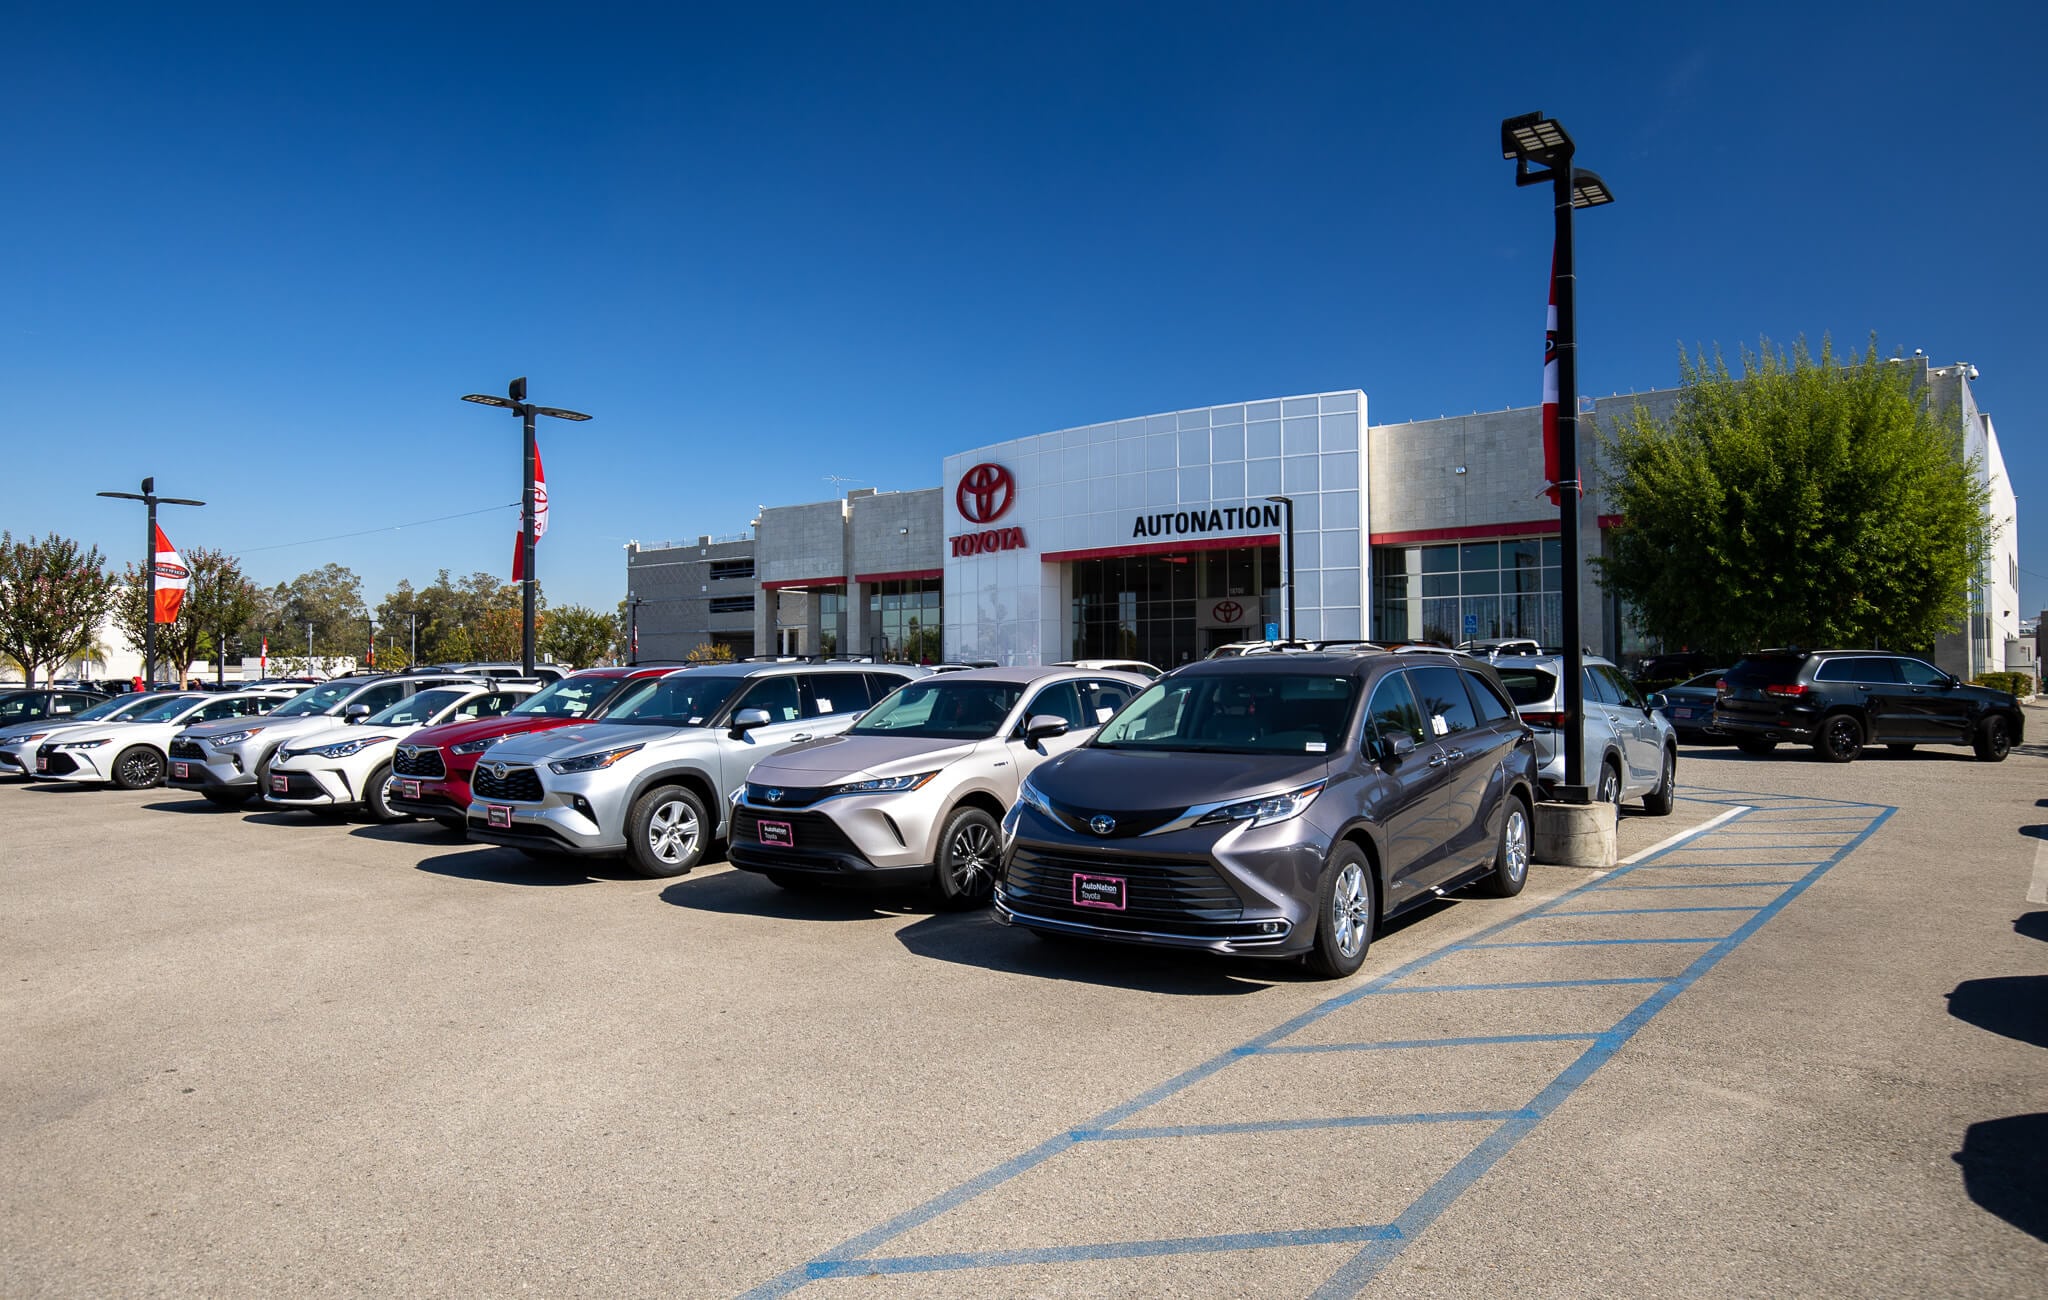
[(1631, 750), (229, 761), (654, 779)]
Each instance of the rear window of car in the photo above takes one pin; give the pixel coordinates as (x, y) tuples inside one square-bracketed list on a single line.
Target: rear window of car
[(1765, 670), (1858, 668), (1527, 685)]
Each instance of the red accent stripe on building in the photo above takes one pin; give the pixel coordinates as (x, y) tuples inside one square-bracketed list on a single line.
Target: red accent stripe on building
[(1471, 533), (1161, 548), (835, 580), (908, 575), (1610, 521)]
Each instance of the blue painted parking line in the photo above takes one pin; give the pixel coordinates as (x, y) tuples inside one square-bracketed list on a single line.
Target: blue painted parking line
[(1379, 1242), (1645, 911)]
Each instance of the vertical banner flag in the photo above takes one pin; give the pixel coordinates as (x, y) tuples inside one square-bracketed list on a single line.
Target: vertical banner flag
[(1550, 387), (172, 578), (263, 659), (540, 519)]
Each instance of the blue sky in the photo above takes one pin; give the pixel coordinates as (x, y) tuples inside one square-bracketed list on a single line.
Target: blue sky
[(260, 252)]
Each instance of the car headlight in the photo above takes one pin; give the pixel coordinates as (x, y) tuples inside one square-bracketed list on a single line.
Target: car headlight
[(346, 748), (227, 738), (1030, 794), (23, 740), (884, 784), (1264, 812), (479, 746), (592, 762), (80, 744)]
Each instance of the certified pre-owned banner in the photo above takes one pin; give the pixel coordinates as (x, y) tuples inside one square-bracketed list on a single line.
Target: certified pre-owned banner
[(172, 577)]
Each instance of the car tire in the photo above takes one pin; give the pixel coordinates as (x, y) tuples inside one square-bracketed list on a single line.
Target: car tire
[(227, 798), (1755, 746), (1993, 739), (1347, 913), (970, 847), (1839, 738), (1511, 854), (377, 797), (1901, 749), (138, 767), (1660, 801), (796, 882), (1609, 789), (667, 832)]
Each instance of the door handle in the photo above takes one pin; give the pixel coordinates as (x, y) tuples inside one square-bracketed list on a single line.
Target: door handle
[(800, 736), (1438, 760), (1456, 756)]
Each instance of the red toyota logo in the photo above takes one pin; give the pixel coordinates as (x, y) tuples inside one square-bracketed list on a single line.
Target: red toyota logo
[(985, 492), (1228, 611)]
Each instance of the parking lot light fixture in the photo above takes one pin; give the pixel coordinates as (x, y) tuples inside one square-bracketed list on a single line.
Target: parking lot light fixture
[(149, 498), (1543, 152), (515, 402)]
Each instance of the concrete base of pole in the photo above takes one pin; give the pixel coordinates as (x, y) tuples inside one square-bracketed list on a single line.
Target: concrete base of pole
[(1574, 835)]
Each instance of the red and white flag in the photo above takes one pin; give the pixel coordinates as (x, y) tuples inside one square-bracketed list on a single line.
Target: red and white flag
[(540, 519), (263, 659), (1550, 388), (172, 577)]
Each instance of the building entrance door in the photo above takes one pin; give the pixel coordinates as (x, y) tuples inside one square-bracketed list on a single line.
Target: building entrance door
[(1150, 607)]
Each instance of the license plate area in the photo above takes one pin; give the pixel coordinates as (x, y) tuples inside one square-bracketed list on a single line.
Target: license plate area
[(181, 771), (279, 783), (498, 814), (42, 763), (781, 834), (408, 789), (1105, 892)]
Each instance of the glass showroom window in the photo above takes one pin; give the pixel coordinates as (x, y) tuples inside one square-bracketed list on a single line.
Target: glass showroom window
[(1461, 591), (906, 620)]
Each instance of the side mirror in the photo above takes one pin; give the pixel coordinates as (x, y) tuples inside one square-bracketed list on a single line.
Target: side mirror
[(748, 719), (1656, 701), (356, 713), (1396, 744), (1044, 727)]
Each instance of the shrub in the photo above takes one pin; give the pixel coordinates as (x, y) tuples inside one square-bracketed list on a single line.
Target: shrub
[(2020, 684)]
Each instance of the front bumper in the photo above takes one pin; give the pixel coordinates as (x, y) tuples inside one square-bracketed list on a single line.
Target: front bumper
[(81, 765), (309, 787), (441, 800), (211, 769), (572, 816), (883, 837)]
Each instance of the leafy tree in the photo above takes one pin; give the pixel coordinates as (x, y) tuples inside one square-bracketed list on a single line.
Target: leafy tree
[(497, 635), (709, 652), (53, 595), (445, 605), (330, 598), (576, 635), (1810, 502)]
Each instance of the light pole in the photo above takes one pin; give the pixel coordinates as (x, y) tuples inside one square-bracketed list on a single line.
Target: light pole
[(309, 648), (633, 631), (412, 617), (1535, 139), (1287, 561), (515, 402), (149, 497)]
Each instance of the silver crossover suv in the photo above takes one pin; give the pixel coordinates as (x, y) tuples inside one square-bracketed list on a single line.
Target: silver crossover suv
[(1276, 805), (1631, 749), (654, 779), (914, 791)]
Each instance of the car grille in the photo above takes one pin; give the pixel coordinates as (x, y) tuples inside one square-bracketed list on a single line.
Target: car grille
[(421, 760), (61, 763), (1157, 889), (187, 749), (518, 785), (786, 796), (813, 832), (1127, 823)]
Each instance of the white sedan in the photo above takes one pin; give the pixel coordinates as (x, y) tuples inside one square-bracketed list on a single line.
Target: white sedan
[(18, 743), (129, 751), (346, 766)]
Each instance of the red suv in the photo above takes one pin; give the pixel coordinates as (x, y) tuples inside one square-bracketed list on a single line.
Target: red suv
[(430, 771)]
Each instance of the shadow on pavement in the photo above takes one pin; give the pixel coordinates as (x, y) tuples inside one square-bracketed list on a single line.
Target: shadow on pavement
[(269, 816), (2005, 1170), (976, 939), (410, 833), (745, 893), (2033, 925), (2035, 832), (195, 804), (2012, 1006), (510, 867)]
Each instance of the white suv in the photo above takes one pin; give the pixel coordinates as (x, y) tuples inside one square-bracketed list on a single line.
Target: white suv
[(653, 780), (350, 765)]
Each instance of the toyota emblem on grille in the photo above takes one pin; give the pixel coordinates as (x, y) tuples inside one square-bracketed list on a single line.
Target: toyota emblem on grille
[(1101, 824), (772, 795), (497, 771)]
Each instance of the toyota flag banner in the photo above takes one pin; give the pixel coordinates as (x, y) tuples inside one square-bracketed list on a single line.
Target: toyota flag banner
[(172, 578), (1550, 388), (540, 519)]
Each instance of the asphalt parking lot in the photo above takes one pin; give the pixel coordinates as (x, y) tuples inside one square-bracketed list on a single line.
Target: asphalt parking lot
[(1801, 1051)]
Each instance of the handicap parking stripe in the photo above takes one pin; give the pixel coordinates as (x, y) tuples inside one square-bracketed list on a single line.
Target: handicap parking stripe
[(1548, 1086)]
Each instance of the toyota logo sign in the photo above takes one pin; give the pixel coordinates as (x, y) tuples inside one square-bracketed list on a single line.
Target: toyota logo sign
[(1101, 824), (985, 493), (1227, 611)]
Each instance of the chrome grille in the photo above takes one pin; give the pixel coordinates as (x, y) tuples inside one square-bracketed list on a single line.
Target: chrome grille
[(517, 785), (1157, 889), (418, 760), (182, 748)]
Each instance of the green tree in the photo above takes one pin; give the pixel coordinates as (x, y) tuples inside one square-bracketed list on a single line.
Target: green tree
[(446, 605), (577, 635), (330, 598), (1811, 501), (496, 636), (53, 594), (218, 608)]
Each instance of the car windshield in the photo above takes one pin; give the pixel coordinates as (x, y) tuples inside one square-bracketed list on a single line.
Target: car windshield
[(110, 709), (1766, 670), (166, 710), (687, 700), (575, 697), (942, 709), (1526, 685), (317, 700), (1267, 713), (415, 710), (1706, 681)]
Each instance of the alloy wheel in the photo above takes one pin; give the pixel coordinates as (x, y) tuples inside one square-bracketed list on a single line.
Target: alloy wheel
[(672, 832), (1351, 910), (1514, 842), (1610, 786), (972, 855)]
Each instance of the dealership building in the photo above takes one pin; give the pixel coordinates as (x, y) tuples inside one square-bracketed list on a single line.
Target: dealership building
[(1162, 537)]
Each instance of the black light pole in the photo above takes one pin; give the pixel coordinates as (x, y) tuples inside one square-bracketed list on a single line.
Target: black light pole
[(1533, 138), (633, 631), (1287, 503), (515, 402), (149, 497)]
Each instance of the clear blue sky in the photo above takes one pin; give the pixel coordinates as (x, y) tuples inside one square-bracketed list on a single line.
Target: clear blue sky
[(261, 253)]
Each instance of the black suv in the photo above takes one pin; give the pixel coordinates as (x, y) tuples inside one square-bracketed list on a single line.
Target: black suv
[(1838, 701), (1276, 805)]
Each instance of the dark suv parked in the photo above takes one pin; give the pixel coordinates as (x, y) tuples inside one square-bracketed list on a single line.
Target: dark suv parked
[(1276, 805), (1840, 700)]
